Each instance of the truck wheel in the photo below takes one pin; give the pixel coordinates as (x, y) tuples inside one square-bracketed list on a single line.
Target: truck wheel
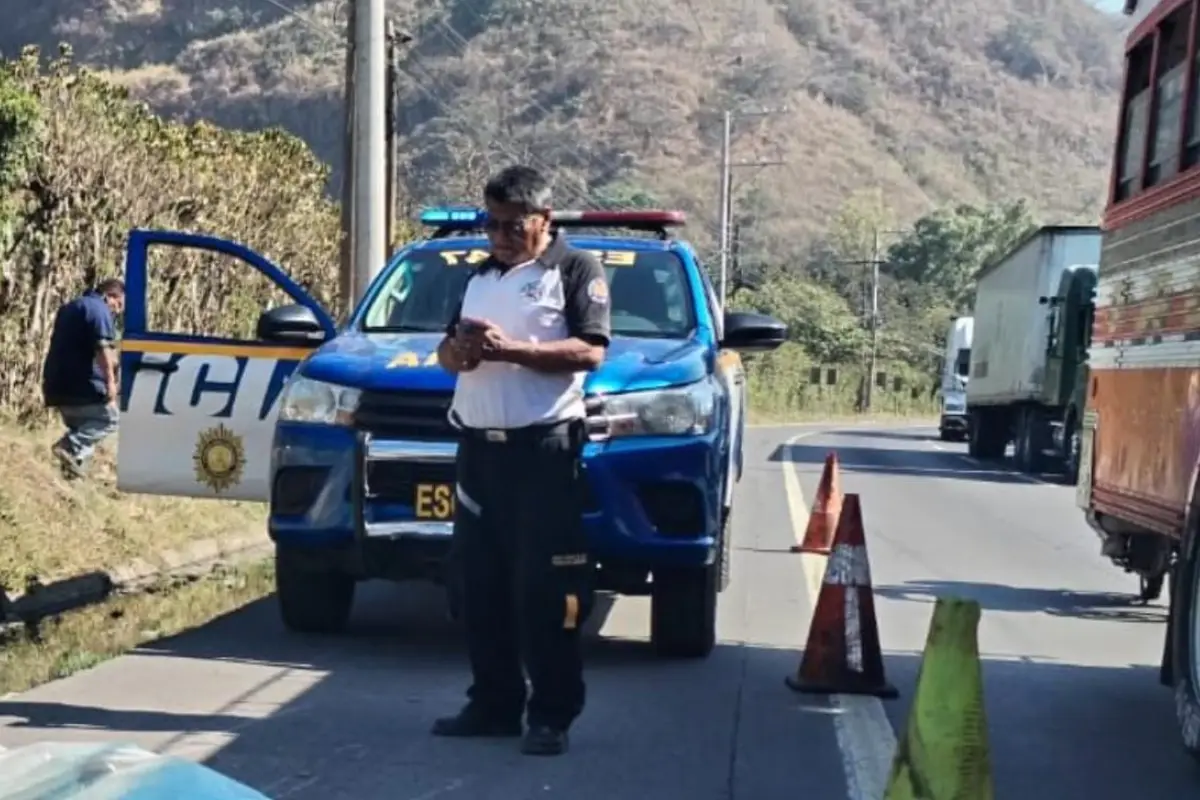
[(988, 431), (1185, 647), (1071, 453), (976, 434), (683, 611), (311, 600), (1150, 589), (1027, 451)]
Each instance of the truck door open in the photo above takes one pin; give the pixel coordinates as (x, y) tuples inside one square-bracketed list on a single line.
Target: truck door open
[(198, 411)]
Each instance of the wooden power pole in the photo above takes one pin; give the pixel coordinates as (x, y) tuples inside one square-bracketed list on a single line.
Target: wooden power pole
[(346, 270)]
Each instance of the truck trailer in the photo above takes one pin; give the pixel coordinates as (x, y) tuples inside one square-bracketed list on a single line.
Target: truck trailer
[(956, 367), (1033, 319)]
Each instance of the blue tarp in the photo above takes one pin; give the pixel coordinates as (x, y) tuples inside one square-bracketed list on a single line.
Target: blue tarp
[(77, 771)]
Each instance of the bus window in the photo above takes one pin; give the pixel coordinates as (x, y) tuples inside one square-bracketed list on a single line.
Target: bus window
[(1172, 72), (1135, 120), (1192, 136)]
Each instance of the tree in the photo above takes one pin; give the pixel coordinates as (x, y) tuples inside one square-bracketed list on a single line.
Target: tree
[(621, 195), (81, 164), (946, 249), (818, 319)]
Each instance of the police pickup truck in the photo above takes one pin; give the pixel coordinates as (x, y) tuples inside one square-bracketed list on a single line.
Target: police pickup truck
[(345, 431)]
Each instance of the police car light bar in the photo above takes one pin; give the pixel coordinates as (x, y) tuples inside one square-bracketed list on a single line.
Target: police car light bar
[(460, 220)]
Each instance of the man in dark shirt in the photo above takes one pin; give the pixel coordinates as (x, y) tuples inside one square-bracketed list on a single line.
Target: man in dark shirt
[(79, 377)]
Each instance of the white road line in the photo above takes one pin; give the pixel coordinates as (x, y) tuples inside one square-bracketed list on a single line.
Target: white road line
[(864, 733)]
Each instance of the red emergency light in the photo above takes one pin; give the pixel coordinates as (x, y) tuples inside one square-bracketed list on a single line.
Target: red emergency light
[(638, 220)]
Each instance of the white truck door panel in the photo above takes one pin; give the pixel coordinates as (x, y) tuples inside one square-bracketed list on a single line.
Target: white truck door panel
[(197, 412), (203, 427)]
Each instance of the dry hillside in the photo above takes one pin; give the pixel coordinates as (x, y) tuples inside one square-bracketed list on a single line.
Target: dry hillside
[(934, 100)]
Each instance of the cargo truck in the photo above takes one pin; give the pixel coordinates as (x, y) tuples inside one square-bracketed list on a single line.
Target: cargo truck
[(956, 367), (1033, 320)]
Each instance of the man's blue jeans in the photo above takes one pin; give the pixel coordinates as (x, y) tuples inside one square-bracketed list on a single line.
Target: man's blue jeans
[(87, 426)]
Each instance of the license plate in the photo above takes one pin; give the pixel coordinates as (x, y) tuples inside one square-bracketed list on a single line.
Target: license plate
[(434, 501)]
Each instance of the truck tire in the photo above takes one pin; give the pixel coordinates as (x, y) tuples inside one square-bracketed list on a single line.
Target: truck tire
[(988, 433), (1185, 648), (975, 434), (1071, 452), (311, 599), (683, 611), (1027, 452)]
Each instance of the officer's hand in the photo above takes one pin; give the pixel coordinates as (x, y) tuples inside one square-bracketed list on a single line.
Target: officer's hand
[(496, 345)]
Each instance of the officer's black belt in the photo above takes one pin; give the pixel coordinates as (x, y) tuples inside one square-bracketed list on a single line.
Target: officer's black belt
[(530, 433)]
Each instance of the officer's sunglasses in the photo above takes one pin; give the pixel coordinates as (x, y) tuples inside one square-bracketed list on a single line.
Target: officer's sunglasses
[(507, 227)]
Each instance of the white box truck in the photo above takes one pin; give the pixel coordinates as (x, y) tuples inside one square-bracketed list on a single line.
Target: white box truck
[(1033, 323), (956, 368)]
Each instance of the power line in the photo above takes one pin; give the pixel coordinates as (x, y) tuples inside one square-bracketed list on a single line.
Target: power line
[(334, 36)]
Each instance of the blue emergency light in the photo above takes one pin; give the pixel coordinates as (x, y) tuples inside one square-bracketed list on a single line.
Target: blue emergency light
[(463, 215), (449, 220)]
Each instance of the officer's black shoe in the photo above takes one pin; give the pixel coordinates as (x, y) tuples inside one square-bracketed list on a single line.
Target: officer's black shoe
[(542, 740), (470, 723)]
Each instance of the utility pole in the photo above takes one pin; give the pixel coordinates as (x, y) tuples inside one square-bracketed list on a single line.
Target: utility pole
[(727, 167), (872, 317), (369, 212), (389, 121), (869, 394), (395, 40), (346, 270), (726, 145)]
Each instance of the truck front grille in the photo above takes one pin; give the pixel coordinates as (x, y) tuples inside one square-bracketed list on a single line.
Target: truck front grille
[(405, 415)]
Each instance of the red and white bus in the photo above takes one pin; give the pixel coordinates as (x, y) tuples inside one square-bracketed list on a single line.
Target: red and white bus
[(1140, 443)]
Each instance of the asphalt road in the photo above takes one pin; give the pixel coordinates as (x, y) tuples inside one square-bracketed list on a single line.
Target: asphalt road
[(1073, 705)]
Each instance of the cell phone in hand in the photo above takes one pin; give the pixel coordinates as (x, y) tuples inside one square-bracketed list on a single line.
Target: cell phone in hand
[(470, 326)]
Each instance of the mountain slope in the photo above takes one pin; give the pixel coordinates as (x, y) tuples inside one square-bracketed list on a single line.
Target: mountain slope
[(964, 100)]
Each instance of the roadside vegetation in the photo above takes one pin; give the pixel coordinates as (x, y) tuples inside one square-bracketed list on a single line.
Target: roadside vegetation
[(82, 639)]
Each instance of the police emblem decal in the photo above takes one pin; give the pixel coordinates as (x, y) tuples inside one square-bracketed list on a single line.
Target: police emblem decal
[(533, 291), (597, 291), (219, 458)]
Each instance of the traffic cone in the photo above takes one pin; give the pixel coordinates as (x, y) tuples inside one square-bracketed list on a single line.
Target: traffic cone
[(944, 751), (843, 655), (827, 507)]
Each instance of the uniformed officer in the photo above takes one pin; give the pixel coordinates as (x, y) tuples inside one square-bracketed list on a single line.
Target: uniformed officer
[(533, 321)]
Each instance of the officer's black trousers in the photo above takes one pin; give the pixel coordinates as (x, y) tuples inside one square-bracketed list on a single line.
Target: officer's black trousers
[(524, 573)]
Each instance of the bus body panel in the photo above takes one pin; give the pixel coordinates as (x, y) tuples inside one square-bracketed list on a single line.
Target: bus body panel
[(1145, 368)]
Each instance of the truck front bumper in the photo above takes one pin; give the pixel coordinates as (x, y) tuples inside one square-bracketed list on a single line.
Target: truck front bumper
[(383, 504), (953, 423)]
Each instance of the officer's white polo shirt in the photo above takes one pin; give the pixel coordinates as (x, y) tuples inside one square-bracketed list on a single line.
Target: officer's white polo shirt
[(562, 294)]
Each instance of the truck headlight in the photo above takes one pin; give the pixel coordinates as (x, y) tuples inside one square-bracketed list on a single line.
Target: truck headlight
[(308, 400), (685, 410)]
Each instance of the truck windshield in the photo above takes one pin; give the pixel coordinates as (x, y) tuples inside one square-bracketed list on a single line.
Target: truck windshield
[(648, 290)]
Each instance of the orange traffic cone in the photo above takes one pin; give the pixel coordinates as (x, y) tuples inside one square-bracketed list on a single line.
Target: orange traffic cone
[(843, 655), (827, 507)]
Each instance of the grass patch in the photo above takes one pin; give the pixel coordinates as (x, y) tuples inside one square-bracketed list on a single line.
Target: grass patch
[(82, 639), (53, 528)]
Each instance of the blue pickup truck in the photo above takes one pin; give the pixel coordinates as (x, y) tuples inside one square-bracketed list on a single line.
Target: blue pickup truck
[(344, 431)]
